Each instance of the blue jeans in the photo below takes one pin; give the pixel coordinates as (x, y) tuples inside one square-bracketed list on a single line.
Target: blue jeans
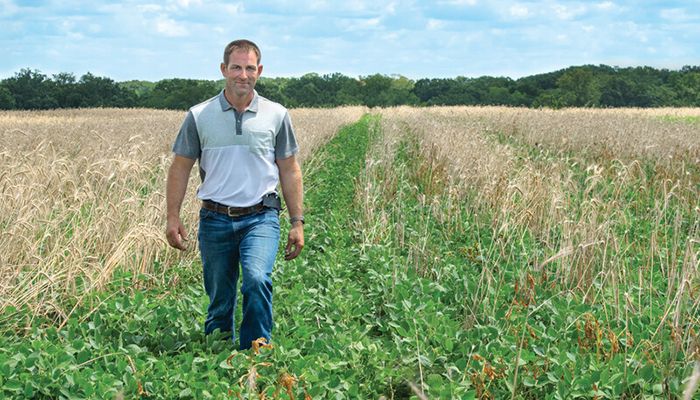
[(250, 241)]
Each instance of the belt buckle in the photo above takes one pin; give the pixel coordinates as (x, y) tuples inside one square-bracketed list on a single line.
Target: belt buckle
[(230, 212)]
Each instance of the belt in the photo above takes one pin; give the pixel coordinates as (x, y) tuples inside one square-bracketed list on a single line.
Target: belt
[(232, 211)]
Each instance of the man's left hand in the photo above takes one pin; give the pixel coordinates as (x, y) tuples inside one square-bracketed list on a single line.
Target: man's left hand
[(295, 241)]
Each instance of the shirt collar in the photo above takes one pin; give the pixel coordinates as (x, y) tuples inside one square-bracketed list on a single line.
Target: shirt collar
[(225, 105)]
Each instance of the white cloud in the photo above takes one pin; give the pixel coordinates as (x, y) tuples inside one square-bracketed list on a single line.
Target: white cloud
[(371, 22), (462, 2), (75, 36), (318, 5), (568, 12), (359, 24), (675, 15), (434, 24), (8, 8), (168, 27), (357, 6), (149, 8), (518, 11), (67, 25), (637, 33), (606, 6), (233, 8), (391, 37), (187, 3), (348, 8)]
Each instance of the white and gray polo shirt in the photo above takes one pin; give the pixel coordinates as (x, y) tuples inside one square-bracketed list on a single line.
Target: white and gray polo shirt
[(236, 152)]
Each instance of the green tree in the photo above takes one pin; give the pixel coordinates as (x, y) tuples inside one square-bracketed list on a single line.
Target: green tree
[(65, 89), (487, 90), (306, 91), (531, 87), (579, 87), (400, 92), (139, 88), (373, 89), (314, 90), (273, 89), (7, 102), (179, 94), (430, 91), (553, 98), (614, 92), (346, 90), (687, 88), (648, 86), (497, 96), (445, 91), (95, 91), (31, 90)]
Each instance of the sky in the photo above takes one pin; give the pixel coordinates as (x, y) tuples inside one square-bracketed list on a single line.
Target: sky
[(126, 40)]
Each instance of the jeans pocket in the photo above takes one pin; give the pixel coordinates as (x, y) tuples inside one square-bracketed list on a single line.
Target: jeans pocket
[(272, 216), (205, 214)]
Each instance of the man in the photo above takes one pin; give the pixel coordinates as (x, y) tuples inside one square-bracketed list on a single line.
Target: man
[(245, 145)]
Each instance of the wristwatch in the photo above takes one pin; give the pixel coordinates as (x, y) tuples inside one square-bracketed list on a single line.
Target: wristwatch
[(292, 220)]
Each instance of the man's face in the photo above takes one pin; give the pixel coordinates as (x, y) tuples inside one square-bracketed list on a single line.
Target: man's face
[(241, 73)]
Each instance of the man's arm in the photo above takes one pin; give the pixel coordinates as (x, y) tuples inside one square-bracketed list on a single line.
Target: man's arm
[(293, 192), (178, 175)]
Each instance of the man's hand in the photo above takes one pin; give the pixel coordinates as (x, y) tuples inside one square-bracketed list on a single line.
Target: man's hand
[(176, 235), (175, 188), (295, 241), (290, 180)]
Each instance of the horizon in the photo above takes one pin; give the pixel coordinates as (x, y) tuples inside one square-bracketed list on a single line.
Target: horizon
[(359, 77)]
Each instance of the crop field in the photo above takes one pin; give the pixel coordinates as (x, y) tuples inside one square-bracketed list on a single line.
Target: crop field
[(451, 252)]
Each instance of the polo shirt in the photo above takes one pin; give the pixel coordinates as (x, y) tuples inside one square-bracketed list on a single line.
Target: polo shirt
[(236, 152)]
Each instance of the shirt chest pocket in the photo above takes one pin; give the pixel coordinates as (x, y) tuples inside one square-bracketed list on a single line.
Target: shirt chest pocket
[(261, 142)]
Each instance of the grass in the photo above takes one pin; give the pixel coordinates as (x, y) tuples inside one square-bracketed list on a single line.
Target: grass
[(689, 119)]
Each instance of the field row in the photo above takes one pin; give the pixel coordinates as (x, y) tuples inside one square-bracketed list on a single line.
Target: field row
[(577, 247)]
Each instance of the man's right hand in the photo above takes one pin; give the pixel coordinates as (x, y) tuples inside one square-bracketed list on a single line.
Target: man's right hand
[(175, 233), (175, 189)]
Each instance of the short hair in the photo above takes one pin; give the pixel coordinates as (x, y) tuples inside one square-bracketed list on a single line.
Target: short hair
[(241, 44)]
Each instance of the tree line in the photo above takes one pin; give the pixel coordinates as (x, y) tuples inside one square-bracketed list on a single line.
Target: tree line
[(579, 86)]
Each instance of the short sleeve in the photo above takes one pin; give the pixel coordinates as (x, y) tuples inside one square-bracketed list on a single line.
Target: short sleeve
[(286, 142), (187, 141)]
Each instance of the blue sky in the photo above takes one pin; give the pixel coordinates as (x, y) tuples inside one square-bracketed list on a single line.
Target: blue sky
[(418, 39)]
